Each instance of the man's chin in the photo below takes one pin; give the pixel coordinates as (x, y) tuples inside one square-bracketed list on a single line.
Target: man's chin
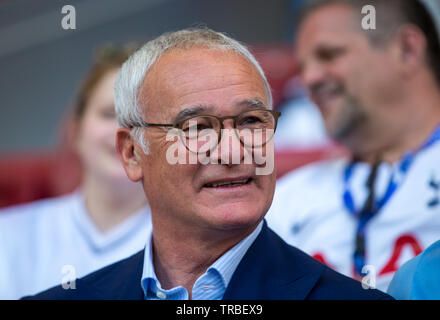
[(235, 217), (344, 130), (338, 126)]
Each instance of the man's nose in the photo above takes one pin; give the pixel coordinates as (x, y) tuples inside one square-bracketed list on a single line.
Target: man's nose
[(312, 74), (229, 150)]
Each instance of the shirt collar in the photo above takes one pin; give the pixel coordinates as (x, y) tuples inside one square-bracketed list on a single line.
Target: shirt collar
[(224, 266)]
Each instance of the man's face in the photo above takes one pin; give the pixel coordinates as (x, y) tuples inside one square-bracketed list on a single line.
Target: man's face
[(195, 82), (349, 79)]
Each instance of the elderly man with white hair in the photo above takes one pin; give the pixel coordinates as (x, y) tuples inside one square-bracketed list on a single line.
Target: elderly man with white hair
[(192, 91)]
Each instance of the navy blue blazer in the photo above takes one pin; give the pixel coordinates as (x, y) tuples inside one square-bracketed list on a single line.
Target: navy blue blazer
[(270, 269)]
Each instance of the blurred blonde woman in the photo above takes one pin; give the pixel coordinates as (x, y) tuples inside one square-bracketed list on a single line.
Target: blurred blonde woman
[(53, 241)]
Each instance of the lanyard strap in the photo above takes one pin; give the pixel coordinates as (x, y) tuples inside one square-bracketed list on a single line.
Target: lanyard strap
[(373, 206)]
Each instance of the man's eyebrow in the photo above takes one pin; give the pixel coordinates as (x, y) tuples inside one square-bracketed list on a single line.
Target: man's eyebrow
[(191, 111), (254, 103)]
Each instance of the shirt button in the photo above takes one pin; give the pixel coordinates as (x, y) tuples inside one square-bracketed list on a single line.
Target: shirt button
[(161, 295)]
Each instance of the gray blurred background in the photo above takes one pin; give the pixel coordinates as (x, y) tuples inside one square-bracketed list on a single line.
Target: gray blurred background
[(42, 64)]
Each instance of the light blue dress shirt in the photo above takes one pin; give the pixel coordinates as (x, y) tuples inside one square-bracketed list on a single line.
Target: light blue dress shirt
[(210, 286), (419, 278)]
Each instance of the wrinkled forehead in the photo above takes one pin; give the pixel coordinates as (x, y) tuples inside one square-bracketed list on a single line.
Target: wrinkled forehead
[(199, 76)]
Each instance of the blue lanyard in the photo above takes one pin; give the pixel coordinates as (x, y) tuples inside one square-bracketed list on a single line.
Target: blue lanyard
[(369, 211)]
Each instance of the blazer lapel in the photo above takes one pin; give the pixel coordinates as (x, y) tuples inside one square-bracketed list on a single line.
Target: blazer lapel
[(271, 269)]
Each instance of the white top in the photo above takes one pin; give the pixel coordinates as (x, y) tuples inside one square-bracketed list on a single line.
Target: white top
[(52, 241), (309, 213)]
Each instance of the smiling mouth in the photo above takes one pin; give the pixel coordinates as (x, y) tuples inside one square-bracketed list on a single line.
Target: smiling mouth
[(228, 184), (324, 95)]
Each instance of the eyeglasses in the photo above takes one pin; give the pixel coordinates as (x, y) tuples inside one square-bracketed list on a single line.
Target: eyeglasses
[(201, 133)]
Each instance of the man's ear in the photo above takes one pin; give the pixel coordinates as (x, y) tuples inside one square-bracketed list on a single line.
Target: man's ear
[(131, 160), (412, 46)]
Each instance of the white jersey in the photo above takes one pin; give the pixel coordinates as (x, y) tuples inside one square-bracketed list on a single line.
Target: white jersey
[(308, 211), (52, 241)]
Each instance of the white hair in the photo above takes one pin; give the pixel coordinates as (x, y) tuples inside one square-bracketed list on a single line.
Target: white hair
[(134, 71)]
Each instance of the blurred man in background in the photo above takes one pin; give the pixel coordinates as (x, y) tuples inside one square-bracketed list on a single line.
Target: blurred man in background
[(379, 93), (47, 242)]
